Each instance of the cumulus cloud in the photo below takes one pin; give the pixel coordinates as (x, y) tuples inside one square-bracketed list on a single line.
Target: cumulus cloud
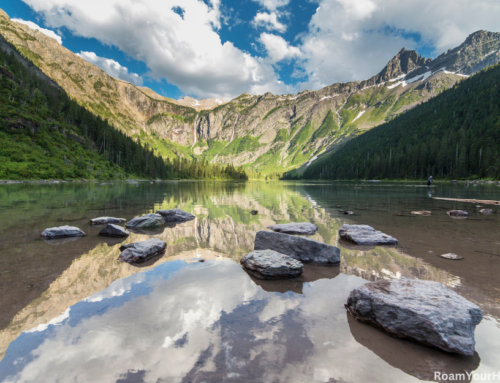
[(46, 32), (353, 40), (111, 67), (272, 4), (278, 48), (187, 51), (268, 21)]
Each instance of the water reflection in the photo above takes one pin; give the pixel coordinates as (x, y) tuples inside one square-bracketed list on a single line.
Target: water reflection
[(176, 319)]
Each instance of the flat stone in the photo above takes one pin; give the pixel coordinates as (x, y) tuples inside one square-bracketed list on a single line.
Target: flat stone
[(146, 221), (348, 212), (458, 213), (114, 231), (141, 251), (62, 232), (486, 211), (364, 235), (299, 248), (175, 215), (302, 228), (423, 311), (451, 256), (422, 212), (106, 220), (269, 264)]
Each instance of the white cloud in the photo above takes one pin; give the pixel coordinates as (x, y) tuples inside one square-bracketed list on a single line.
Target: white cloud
[(46, 32), (111, 67), (272, 4), (268, 21), (278, 48), (353, 40), (187, 51)]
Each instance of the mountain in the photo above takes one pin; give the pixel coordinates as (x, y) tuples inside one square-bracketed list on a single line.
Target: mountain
[(455, 135), (265, 133)]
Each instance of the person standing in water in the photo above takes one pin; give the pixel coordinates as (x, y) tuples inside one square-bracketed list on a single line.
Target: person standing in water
[(429, 181)]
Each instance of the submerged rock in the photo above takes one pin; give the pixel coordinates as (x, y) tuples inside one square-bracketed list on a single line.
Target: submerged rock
[(365, 235), (148, 220), (422, 212), (106, 220), (452, 256), (141, 251), (269, 264), (300, 248), (486, 211), (302, 228), (114, 231), (458, 213), (175, 215), (424, 311), (62, 232)]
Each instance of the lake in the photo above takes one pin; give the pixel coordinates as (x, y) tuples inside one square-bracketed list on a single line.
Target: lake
[(70, 312)]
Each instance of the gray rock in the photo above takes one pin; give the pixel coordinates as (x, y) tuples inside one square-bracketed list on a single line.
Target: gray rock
[(106, 220), (486, 211), (175, 215), (141, 251), (300, 248), (422, 212), (424, 311), (348, 212), (114, 231), (301, 228), (458, 213), (62, 232), (452, 256), (269, 264), (365, 235), (148, 220)]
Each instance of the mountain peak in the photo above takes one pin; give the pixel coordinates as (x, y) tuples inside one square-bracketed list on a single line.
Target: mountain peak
[(401, 64)]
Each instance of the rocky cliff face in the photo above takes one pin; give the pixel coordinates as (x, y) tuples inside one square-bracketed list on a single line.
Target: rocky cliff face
[(267, 133)]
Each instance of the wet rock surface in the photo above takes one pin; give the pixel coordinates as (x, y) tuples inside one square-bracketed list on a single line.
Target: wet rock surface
[(175, 215), (423, 311), (62, 232), (301, 228), (364, 235), (348, 212), (486, 211), (106, 220), (422, 212), (452, 256), (458, 213), (114, 231), (146, 221), (269, 264), (141, 251), (300, 248)]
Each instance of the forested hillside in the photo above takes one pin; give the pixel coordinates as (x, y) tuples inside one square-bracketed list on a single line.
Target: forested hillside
[(44, 135), (454, 135)]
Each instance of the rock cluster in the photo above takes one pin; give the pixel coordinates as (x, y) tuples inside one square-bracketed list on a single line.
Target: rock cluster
[(365, 235), (146, 221), (424, 311), (300, 248), (141, 251), (62, 232), (302, 228), (269, 264), (175, 215)]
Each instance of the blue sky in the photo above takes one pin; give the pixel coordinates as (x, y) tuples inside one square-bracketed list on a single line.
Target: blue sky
[(222, 48)]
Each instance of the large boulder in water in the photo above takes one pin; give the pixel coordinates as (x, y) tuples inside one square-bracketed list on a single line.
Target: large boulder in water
[(302, 228), (141, 251), (106, 220), (269, 264), (300, 248), (146, 221), (114, 231), (423, 311), (458, 213), (365, 235), (175, 215), (62, 232)]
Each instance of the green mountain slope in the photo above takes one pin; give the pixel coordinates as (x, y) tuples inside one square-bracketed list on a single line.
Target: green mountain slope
[(454, 135)]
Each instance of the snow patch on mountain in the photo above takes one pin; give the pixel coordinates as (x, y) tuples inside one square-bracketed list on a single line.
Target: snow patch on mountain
[(359, 115)]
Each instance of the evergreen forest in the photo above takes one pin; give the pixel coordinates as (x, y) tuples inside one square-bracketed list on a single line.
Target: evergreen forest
[(455, 135), (44, 134)]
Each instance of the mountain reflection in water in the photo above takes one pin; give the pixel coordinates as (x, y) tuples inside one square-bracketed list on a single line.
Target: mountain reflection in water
[(179, 320)]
